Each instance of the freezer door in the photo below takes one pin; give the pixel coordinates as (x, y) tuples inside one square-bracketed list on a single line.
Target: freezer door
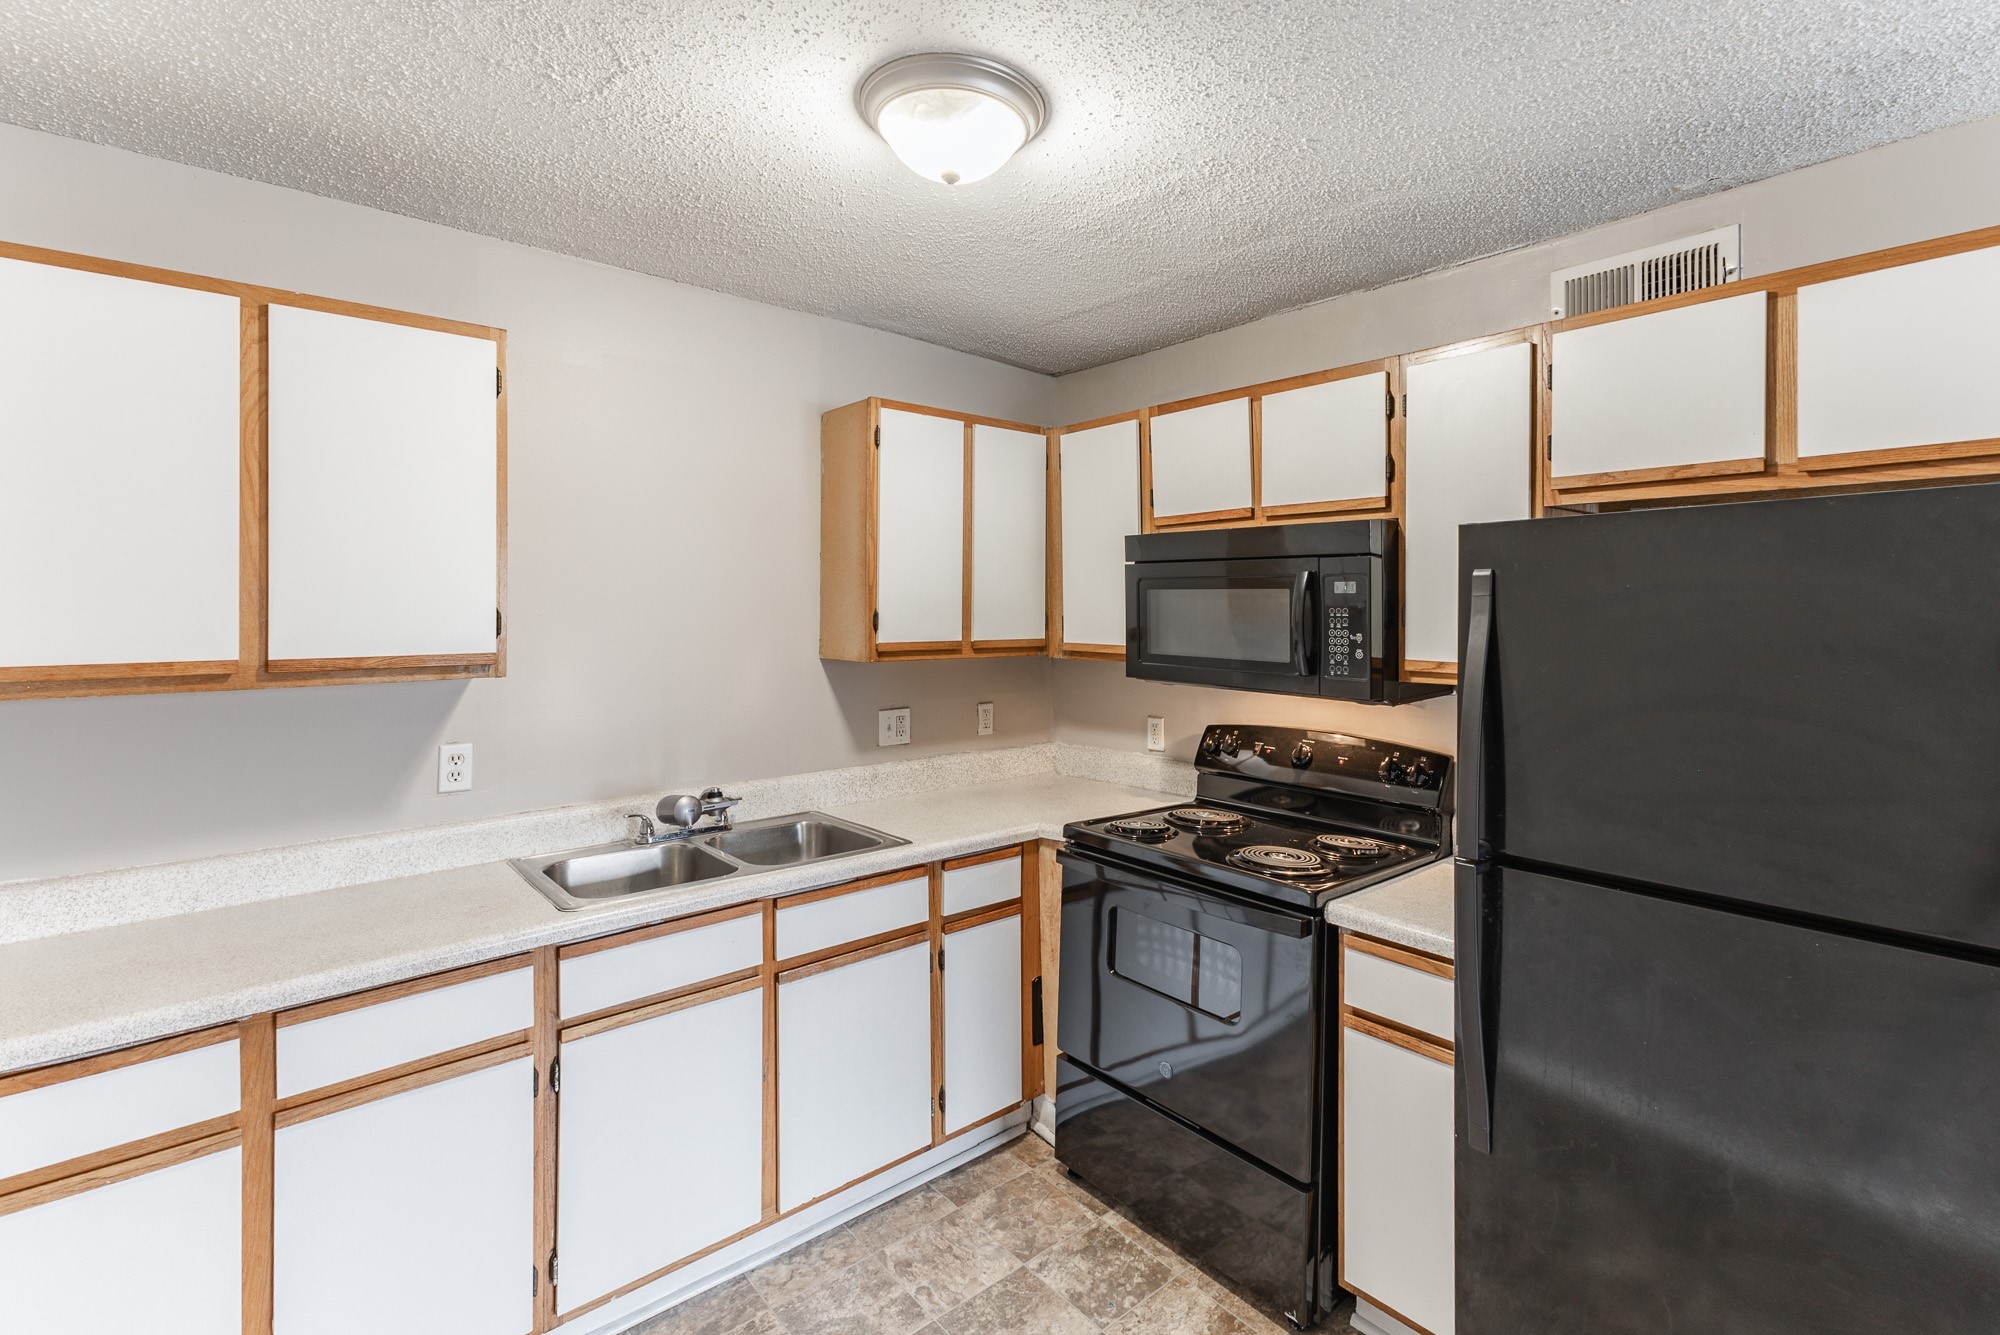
[(1705, 1124), (1793, 703)]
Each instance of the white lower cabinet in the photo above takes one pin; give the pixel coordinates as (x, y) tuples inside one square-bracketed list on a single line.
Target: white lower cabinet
[(1396, 1179), (661, 1143), (854, 1069), (410, 1213), (982, 1021), (160, 1253)]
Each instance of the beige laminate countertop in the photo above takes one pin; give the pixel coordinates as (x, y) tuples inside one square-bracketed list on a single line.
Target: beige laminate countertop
[(1414, 910), (66, 996)]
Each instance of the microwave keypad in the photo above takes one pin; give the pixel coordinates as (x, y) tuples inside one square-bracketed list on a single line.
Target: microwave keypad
[(1346, 642)]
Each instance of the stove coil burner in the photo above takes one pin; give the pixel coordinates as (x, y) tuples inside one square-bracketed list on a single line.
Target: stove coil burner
[(1278, 860), (1206, 820), (1353, 847), (1150, 829)]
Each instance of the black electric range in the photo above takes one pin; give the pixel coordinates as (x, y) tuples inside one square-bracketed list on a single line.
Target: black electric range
[(1198, 993)]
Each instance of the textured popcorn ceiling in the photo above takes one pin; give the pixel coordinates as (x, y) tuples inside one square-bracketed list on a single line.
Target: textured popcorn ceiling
[(1204, 163)]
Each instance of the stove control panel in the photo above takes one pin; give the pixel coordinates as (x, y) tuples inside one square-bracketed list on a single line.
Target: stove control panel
[(1359, 765)]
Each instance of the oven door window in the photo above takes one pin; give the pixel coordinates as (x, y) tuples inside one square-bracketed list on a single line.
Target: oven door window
[(1241, 617), (1187, 967)]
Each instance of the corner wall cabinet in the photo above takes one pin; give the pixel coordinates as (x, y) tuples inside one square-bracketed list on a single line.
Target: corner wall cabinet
[(208, 485), (1396, 1132), (503, 1148), (1467, 440), (1096, 503), (930, 534)]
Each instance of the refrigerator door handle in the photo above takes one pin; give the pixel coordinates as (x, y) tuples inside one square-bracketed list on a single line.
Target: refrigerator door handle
[(1473, 1055), (1472, 719)]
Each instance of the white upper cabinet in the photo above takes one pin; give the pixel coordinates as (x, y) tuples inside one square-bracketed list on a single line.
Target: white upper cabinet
[(1100, 509), (1679, 389), (384, 477), (1327, 446), (1468, 449), (1901, 358), (1201, 462), (1010, 506), (920, 538), (120, 460)]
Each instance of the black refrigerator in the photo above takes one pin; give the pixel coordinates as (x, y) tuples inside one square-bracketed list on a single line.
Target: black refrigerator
[(1728, 1051)]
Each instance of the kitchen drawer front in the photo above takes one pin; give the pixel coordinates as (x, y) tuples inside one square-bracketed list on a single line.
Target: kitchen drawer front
[(46, 1124), (597, 977), (1373, 979), (981, 884), (822, 923), (328, 1049)]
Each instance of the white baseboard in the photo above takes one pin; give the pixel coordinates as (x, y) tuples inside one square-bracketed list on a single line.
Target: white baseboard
[(1043, 1120), (1372, 1320), (751, 1252)]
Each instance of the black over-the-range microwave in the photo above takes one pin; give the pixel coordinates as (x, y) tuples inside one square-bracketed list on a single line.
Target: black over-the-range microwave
[(1301, 609)]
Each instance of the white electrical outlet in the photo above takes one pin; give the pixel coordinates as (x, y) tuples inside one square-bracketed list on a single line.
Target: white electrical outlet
[(892, 726), (454, 767), (1156, 733), (986, 718)]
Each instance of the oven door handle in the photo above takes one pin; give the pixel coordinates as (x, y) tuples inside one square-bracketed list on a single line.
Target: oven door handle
[(1217, 903)]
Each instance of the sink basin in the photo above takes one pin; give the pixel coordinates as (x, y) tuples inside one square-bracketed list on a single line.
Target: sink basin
[(608, 873), (788, 839)]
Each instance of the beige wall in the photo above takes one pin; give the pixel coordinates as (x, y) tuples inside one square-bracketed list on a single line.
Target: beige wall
[(1931, 186), (664, 470)]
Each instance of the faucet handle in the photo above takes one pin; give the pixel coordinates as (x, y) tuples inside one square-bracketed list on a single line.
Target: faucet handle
[(646, 834)]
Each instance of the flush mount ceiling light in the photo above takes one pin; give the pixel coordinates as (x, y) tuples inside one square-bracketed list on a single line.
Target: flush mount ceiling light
[(953, 118)]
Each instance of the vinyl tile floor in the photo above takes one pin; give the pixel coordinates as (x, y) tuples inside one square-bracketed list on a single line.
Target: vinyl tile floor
[(1004, 1245)]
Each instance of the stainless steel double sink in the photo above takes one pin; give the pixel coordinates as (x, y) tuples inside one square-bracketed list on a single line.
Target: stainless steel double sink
[(612, 873)]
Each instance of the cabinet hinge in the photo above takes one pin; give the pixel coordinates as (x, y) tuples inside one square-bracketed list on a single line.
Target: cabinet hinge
[(940, 959), (534, 1282), (1035, 1011), (1406, 406), (555, 1076), (875, 621), (498, 383), (1549, 447), (553, 1281), (1150, 502), (1389, 467), (499, 623), (1388, 404), (940, 1100), (535, 1082), (878, 437), (1552, 375)]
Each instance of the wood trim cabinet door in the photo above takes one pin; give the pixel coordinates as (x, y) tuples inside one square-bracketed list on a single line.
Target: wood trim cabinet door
[(1200, 458), (661, 1147), (920, 534), (854, 1069), (120, 444), (1098, 498), (982, 999), (1467, 447), (1899, 363), (160, 1252), (384, 477), (1677, 393), (412, 1213), (1396, 1179), (1010, 511), (1325, 448)]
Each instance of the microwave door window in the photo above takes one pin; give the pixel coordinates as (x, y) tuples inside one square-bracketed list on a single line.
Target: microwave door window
[(1224, 623)]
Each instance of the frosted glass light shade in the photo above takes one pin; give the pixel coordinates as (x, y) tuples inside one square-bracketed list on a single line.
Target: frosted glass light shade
[(951, 118), (953, 135)]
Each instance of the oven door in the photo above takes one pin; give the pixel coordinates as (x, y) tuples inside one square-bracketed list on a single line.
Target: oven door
[(1246, 624), (1200, 1003)]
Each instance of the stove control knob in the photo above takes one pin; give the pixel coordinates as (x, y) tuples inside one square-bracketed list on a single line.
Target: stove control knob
[(1422, 775), (1302, 756), (1231, 743), (1211, 745), (1392, 770)]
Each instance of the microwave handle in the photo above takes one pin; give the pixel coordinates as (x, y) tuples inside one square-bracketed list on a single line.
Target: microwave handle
[(1303, 624)]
